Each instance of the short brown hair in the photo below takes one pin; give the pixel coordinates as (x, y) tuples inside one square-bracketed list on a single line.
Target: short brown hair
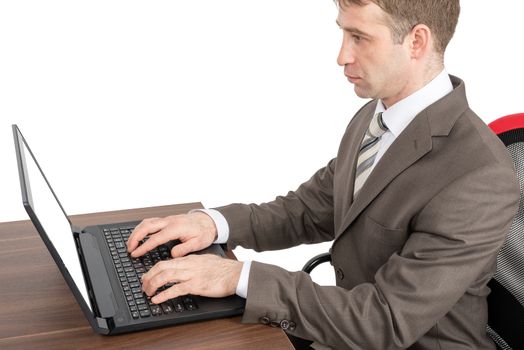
[(441, 16)]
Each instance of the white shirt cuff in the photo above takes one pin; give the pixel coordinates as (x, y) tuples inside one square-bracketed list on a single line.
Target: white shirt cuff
[(243, 280), (220, 224)]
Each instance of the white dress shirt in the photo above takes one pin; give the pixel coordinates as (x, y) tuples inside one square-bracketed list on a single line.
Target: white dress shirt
[(396, 118)]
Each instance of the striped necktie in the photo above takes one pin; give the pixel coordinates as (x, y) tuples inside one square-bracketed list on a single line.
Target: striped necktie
[(368, 151)]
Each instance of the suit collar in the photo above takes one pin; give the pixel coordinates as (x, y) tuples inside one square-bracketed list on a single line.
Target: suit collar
[(399, 115), (412, 144), (443, 114)]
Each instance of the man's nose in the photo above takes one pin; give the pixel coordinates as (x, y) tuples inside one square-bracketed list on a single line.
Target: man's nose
[(346, 55)]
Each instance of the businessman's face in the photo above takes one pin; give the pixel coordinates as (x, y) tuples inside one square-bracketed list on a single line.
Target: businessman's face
[(377, 66)]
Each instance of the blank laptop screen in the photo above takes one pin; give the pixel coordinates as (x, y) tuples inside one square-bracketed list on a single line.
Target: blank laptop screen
[(45, 206)]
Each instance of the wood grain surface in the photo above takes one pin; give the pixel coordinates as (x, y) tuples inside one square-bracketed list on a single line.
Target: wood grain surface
[(38, 311)]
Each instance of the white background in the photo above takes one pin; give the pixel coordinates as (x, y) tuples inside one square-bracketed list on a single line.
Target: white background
[(140, 103)]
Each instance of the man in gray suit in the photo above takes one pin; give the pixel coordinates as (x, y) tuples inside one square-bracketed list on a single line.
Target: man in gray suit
[(418, 202)]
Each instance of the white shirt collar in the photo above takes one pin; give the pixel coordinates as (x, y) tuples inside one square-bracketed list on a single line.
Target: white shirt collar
[(398, 116)]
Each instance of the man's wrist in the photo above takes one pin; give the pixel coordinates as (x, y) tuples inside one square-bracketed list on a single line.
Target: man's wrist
[(205, 223), (221, 225)]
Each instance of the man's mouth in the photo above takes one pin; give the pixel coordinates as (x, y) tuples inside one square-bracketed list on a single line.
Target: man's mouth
[(353, 79)]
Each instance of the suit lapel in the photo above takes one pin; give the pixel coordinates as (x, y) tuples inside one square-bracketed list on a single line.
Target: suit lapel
[(351, 145), (411, 145)]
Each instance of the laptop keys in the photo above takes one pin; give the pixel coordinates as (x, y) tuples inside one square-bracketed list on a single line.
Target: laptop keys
[(156, 310), (145, 313), (167, 308), (177, 304), (130, 270), (189, 303)]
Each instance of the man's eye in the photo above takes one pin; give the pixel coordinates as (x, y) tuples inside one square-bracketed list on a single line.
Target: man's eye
[(357, 38)]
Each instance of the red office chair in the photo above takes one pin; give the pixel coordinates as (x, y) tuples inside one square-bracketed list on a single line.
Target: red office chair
[(506, 301)]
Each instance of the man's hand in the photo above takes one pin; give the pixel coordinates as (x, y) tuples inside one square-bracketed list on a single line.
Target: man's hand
[(195, 231), (207, 275)]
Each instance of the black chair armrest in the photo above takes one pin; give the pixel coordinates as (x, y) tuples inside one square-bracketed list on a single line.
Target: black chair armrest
[(315, 261)]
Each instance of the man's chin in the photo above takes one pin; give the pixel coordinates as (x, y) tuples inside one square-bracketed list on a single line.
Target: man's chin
[(362, 93)]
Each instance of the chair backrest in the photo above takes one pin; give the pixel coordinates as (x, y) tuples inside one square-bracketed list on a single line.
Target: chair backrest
[(506, 301)]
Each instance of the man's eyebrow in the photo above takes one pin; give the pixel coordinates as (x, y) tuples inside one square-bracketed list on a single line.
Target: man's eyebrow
[(352, 30)]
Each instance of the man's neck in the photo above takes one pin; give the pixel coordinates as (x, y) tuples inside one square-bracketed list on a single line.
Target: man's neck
[(399, 115), (414, 85)]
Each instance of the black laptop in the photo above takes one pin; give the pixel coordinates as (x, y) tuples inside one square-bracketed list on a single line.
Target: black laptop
[(103, 277)]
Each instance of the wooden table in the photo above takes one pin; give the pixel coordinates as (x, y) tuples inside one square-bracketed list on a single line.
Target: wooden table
[(38, 311)]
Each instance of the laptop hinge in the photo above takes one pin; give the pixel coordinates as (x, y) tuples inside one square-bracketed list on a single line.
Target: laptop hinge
[(100, 290), (101, 325), (76, 234)]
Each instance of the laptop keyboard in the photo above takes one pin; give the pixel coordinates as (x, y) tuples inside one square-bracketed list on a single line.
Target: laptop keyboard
[(130, 271)]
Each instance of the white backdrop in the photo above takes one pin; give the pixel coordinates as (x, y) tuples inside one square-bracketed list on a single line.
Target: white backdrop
[(140, 103)]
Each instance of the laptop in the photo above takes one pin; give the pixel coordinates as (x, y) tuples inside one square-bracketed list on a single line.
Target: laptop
[(103, 277)]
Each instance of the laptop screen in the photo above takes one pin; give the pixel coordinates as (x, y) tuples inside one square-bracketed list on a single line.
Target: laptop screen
[(42, 201)]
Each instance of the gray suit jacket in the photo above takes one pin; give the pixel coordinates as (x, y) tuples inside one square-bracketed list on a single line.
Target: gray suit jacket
[(412, 253)]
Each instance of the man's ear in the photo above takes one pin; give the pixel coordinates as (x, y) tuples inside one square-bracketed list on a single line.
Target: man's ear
[(420, 41)]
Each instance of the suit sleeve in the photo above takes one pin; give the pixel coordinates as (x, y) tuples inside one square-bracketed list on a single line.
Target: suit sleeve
[(303, 216), (455, 239)]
